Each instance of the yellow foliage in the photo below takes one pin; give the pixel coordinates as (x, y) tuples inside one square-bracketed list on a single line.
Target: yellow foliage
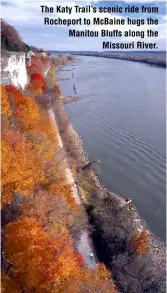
[(52, 76)]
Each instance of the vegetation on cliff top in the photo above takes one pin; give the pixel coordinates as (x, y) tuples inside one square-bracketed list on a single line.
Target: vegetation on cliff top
[(11, 40)]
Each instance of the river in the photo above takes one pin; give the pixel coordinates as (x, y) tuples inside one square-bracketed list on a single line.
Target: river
[(121, 118)]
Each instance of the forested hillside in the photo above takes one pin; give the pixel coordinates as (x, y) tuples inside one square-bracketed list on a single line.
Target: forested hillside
[(11, 40)]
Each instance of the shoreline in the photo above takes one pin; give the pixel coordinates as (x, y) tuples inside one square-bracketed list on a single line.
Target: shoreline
[(145, 59), (139, 223)]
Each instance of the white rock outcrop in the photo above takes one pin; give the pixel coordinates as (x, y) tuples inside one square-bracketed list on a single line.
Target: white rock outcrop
[(13, 70)]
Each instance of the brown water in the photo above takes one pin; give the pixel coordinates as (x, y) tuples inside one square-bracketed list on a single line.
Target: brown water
[(121, 118)]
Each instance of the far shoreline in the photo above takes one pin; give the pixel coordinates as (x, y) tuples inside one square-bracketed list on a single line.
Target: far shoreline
[(158, 60)]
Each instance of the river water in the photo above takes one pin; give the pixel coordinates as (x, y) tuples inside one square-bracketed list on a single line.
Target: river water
[(121, 118)]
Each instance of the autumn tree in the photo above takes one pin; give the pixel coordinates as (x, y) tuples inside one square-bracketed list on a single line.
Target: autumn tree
[(66, 192), (27, 114), (37, 60), (37, 85), (18, 100), (27, 111), (140, 242), (52, 209), (5, 109), (38, 65), (21, 172), (88, 280), (37, 81), (8, 284), (33, 68), (40, 261), (5, 104), (41, 134)]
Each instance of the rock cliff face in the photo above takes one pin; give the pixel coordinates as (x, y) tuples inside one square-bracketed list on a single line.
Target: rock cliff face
[(13, 69)]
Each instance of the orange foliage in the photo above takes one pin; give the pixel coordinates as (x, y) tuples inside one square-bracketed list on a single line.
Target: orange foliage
[(44, 145), (8, 285), (45, 264), (33, 68), (37, 61), (38, 64), (140, 242), (19, 101), (27, 114), (40, 134), (98, 280), (5, 104), (20, 169), (15, 94), (37, 83), (47, 128), (39, 261), (89, 280)]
